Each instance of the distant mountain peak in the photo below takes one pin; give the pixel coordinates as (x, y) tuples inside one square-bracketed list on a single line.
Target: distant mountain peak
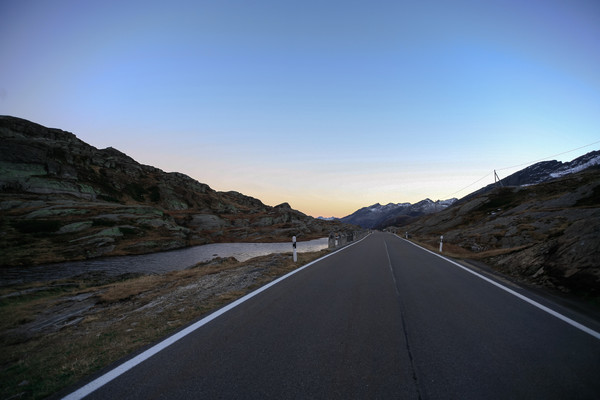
[(327, 218), (377, 216)]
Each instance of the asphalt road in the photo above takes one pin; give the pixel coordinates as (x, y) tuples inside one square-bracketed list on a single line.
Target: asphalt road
[(381, 319)]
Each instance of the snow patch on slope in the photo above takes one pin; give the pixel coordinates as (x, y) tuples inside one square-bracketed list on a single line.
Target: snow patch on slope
[(571, 169)]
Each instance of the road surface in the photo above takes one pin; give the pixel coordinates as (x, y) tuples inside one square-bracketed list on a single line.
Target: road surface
[(381, 319)]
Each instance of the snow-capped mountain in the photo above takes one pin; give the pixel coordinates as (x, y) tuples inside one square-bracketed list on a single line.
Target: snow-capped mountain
[(578, 164), (328, 218), (545, 171), (379, 216)]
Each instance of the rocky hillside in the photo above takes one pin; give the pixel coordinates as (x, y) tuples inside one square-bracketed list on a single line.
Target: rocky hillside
[(547, 233), (62, 199), (379, 217), (544, 171)]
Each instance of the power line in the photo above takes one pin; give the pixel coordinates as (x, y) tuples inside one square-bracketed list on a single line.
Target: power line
[(521, 165), (468, 186), (545, 158)]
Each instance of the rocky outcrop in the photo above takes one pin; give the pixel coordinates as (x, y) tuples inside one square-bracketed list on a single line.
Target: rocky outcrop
[(62, 199), (547, 233)]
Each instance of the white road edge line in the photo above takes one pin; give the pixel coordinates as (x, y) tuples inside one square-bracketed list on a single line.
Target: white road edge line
[(534, 303), (126, 366)]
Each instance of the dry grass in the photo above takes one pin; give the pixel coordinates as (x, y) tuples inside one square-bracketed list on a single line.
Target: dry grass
[(126, 290), (37, 360), (129, 289)]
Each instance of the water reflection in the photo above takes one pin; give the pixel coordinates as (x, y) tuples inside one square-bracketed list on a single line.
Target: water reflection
[(153, 263)]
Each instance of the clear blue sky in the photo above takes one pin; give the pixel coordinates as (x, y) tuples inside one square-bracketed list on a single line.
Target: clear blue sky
[(328, 105)]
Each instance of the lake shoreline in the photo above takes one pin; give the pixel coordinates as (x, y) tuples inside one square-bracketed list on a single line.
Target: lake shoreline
[(151, 263), (56, 333)]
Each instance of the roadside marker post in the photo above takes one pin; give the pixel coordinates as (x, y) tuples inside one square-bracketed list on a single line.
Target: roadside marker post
[(441, 242), (294, 246)]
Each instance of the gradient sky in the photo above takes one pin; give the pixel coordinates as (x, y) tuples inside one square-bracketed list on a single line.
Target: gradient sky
[(327, 105)]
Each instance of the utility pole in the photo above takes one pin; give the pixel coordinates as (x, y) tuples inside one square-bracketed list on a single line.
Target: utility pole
[(497, 179)]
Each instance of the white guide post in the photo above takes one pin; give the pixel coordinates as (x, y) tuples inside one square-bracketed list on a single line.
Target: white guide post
[(294, 246), (441, 242)]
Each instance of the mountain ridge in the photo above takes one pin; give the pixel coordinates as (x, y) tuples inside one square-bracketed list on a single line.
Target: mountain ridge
[(62, 199), (379, 216), (545, 234), (543, 171)]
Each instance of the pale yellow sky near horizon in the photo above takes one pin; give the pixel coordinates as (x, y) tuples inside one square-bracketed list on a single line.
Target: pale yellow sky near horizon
[(340, 191)]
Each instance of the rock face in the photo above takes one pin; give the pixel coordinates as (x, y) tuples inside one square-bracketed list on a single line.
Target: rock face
[(547, 233), (62, 199)]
